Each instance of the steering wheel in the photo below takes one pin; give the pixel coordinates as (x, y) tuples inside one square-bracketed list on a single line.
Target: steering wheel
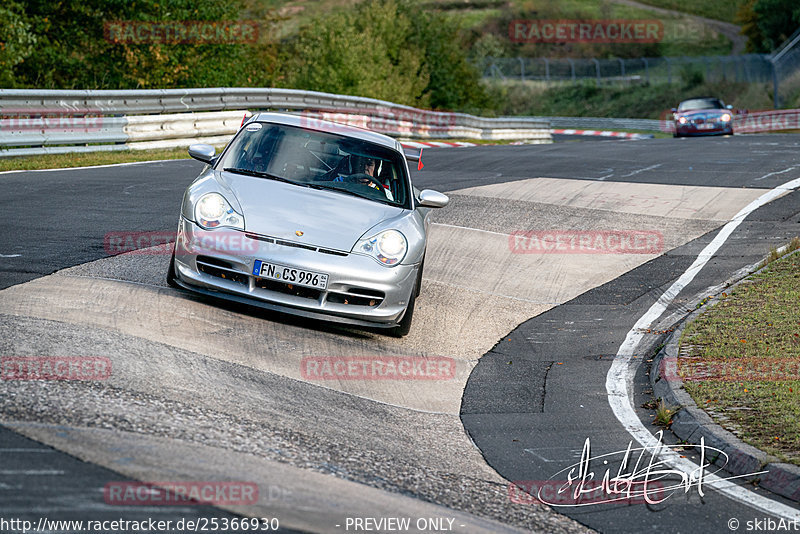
[(357, 177)]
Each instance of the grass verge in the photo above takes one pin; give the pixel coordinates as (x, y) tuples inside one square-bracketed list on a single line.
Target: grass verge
[(645, 101), (724, 10), (740, 360), (87, 159)]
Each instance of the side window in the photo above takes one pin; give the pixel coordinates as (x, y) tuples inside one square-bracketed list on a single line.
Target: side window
[(247, 150)]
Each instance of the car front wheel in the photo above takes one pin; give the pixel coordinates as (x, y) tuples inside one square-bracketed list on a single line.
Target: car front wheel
[(404, 327), (171, 272)]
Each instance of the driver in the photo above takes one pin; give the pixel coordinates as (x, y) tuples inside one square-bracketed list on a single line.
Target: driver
[(367, 166)]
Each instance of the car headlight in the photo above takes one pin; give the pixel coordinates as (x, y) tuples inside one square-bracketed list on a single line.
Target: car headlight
[(388, 247), (213, 211), (726, 117), (682, 120)]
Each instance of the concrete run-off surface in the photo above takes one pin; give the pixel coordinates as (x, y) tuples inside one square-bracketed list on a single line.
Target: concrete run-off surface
[(194, 377)]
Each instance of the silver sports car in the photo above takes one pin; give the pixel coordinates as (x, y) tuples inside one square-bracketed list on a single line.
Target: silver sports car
[(308, 217)]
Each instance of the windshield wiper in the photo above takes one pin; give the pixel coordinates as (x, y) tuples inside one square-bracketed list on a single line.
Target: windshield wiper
[(352, 193), (258, 174), (339, 190)]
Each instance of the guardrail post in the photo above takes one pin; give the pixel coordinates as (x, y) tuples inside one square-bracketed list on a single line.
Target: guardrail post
[(646, 69), (572, 68), (622, 67), (546, 69), (521, 68), (597, 69)]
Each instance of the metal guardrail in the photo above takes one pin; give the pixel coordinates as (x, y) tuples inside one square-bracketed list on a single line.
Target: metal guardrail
[(43, 121), (39, 122), (149, 101), (603, 123)]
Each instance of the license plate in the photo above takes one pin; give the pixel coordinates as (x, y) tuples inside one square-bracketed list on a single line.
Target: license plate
[(707, 126), (290, 275)]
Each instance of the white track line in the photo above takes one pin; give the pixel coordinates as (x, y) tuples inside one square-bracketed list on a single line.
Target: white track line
[(637, 171), (33, 472), (619, 380), (776, 172), (471, 229), (96, 166)]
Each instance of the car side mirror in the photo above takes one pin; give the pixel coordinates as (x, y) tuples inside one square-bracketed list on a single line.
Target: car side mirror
[(201, 152), (429, 198), (674, 110), (729, 106)]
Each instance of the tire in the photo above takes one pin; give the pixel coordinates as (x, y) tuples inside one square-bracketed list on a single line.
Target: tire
[(419, 276), (171, 272), (402, 329)]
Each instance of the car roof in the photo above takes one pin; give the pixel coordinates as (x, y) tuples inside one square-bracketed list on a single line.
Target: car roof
[(313, 123)]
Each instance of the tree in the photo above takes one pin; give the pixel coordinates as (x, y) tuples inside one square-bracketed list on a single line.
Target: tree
[(386, 50), (768, 23), (454, 83), (74, 50), (362, 51), (16, 41)]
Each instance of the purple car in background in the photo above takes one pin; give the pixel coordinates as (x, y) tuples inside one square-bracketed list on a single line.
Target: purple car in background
[(703, 116)]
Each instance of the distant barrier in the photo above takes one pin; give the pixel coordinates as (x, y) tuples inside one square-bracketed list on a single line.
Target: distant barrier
[(55, 121), (48, 121)]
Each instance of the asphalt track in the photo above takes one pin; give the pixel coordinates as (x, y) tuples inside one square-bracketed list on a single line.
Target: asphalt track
[(222, 383)]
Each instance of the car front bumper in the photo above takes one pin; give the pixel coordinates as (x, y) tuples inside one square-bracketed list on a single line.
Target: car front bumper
[(692, 129), (359, 290)]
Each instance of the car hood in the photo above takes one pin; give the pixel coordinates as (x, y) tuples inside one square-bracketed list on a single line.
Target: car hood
[(325, 218)]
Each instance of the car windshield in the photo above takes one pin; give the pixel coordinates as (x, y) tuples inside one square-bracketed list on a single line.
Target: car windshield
[(701, 103), (320, 160)]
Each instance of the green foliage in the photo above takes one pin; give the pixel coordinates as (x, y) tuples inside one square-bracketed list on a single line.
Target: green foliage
[(768, 23), (16, 40), (741, 358), (713, 9), (691, 76), (682, 36), (72, 51), (383, 50), (747, 18), (488, 45), (778, 19), (359, 52), (454, 83)]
